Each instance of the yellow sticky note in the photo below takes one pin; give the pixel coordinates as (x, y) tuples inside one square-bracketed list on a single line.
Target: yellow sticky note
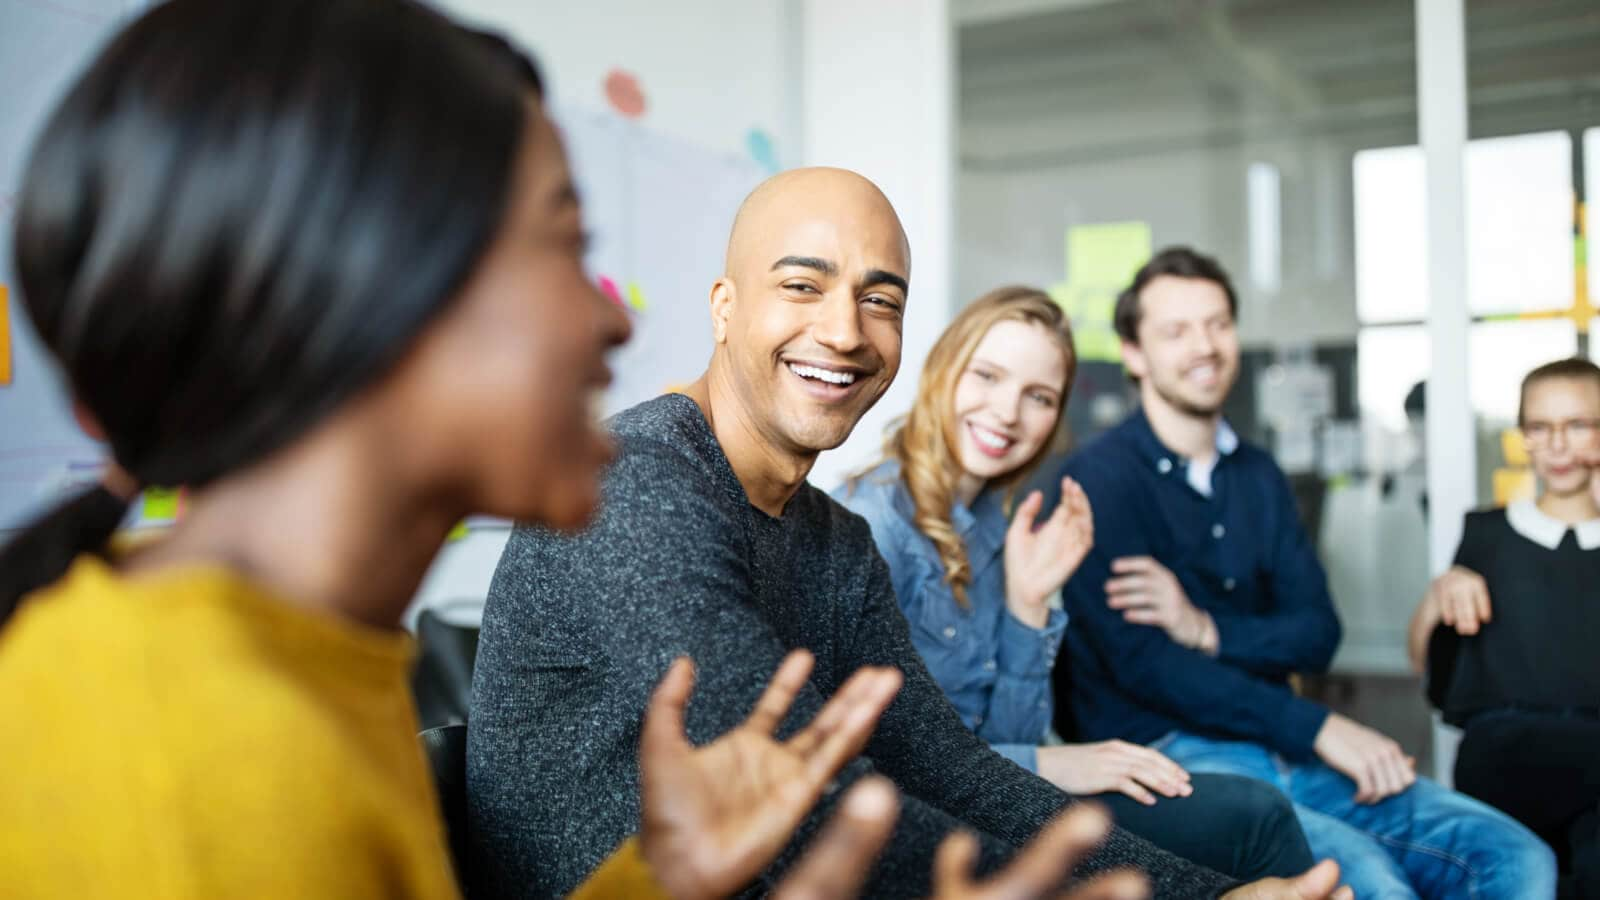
[(1513, 449), (458, 532), (1106, 255), (5, 336), (636, 296), (160, 503), (1511, 485)]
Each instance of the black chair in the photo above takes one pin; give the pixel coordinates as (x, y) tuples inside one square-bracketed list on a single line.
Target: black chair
[(446, 747), (442, 682)]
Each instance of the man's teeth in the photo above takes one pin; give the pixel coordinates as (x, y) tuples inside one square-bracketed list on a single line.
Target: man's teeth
[(827, 375), (990, 439)]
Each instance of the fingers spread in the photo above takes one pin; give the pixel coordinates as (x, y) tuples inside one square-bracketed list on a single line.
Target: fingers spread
[(780, 693), (866, 704), (1027, 512), (952, 864), (1124, 885), (1048, 858), (837, 863), (663, 718)]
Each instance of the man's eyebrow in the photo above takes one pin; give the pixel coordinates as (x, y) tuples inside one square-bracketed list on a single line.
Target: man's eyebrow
[(880, 276), (826, 267)]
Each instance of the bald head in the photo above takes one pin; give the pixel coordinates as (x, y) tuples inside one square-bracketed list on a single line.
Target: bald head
[(835, 199), (807, 315)]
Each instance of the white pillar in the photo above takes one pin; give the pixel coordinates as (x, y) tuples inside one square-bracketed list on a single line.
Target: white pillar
[(1442, 128), (1452, 444), (878, 98)]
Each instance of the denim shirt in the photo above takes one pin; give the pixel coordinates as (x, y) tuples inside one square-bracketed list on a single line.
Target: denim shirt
[(994, 669)]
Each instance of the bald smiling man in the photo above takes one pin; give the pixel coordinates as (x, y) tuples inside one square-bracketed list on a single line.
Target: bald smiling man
[(710, 544)]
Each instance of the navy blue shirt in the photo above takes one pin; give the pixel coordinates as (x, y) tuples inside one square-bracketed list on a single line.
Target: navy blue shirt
[(1240, 555)]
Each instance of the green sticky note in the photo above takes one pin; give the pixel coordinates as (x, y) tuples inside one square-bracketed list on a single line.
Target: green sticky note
[(458, 532), (160, 503), (1106, 255)]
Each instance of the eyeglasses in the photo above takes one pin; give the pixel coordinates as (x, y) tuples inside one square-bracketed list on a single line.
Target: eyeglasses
[(1575, 431)]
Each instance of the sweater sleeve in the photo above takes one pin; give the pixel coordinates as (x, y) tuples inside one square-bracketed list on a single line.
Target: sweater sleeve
[(923, 746), (576, 634)]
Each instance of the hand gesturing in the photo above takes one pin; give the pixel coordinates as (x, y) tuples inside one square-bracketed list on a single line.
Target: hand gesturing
[(713, 817), (1040, 560)]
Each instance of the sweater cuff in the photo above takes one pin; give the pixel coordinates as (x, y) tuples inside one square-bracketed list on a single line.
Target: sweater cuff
[(1024, 755), (1301, 720)]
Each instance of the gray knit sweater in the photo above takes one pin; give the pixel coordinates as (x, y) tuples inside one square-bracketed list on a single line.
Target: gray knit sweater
[(579, 629)]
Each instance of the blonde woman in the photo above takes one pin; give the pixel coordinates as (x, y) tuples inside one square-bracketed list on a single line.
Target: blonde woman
[(976, 584)]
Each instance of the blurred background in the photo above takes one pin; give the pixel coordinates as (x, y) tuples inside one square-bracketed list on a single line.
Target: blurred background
[(1397, 187)]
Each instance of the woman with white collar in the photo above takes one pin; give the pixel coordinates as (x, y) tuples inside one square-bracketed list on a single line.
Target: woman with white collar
[(1508, 634)]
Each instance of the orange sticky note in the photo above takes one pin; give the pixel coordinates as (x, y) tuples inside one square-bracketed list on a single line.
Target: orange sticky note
[(5, 336)]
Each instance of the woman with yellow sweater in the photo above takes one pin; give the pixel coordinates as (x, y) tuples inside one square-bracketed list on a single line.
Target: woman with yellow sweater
[(319, 260)]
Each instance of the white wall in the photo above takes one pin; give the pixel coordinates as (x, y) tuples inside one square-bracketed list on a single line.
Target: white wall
[(878, 98), (711, 70)]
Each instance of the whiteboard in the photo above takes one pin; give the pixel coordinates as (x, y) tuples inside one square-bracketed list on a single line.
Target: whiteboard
[(43, 453), (658, 208)]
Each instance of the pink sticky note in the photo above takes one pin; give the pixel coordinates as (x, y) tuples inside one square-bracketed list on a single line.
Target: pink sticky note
[(609, 288)]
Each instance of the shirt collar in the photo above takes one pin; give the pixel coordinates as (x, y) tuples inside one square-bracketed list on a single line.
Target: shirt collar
[(1165, 460), (1527, 519)]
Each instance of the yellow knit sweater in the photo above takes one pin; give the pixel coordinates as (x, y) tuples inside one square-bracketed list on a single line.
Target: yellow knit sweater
[(182, 734)]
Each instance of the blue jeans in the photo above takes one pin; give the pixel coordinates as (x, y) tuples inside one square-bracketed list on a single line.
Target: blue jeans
[(1427, 841)]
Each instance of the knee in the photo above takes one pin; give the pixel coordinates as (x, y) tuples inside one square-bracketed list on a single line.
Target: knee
[(1518, 856), (1250, 804), (1254, 812), (1534, 858)]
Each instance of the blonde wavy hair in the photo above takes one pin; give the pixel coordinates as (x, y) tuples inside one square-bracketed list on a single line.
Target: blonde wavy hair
[(924, 442)]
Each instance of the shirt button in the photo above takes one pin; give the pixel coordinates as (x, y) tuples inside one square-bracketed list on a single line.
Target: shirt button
[(1043, 704), (1217, 531), (949, 631), (1228, 584), (976, 721), (989, 665), (1164, 466)]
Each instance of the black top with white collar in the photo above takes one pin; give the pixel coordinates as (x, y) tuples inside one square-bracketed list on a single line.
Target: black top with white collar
[(1539, 649)]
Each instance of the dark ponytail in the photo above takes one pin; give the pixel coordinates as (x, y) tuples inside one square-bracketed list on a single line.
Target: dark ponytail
[(243, 213)]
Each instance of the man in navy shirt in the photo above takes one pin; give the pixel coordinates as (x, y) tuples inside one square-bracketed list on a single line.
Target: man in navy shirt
[(1202, 594)]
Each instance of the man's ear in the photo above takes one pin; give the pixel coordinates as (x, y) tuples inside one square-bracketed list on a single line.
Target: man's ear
[(1133, 360), (722, 301)]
